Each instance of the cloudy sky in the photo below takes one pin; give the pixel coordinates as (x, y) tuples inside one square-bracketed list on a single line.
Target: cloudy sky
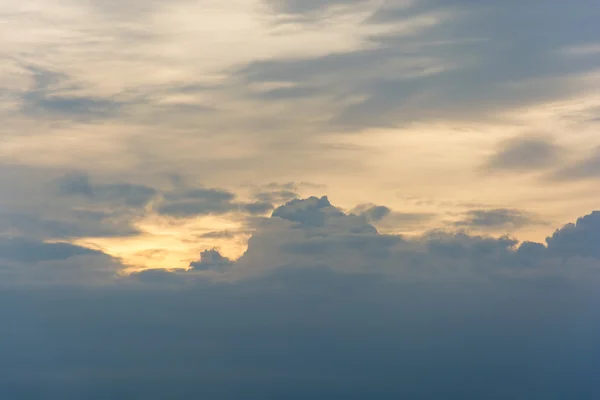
[(270, 177)]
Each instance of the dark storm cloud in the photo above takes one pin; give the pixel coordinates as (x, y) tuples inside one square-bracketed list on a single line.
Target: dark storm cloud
[(527, 153), (500, 218)]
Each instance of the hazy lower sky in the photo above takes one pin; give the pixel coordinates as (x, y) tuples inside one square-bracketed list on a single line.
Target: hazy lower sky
[(297, 143)]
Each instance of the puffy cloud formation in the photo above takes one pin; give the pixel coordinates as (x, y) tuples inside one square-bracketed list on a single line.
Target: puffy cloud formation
[(319, 298), (312, 233), (579, 239), (210, 259)]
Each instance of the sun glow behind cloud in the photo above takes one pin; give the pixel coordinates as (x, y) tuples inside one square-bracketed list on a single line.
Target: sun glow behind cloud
[(380, 96)]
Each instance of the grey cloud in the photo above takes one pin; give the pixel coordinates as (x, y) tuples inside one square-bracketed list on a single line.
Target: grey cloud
[(527, 153), (291, 93), (126, 193), (211, 259), (276, 196), (46, 204), (219, 235), (183, 209), (258, 208), (312, 232), (30, 262), (74, 224), (579, 239), (480, 59), (387, 218), (586, 168), (304, 329), (302, 7), (27, 250), (188, 202), (372, 212), (500, 218), (51, 96), (212, 195), (302, 333)]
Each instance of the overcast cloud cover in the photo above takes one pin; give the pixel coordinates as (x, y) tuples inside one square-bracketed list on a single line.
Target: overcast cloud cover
[(299, 199)]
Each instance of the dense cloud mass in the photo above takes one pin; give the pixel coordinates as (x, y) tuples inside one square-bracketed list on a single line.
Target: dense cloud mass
[(319, 299), (158, 241)]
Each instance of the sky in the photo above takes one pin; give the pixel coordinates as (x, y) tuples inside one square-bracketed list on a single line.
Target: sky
[(299, 198)]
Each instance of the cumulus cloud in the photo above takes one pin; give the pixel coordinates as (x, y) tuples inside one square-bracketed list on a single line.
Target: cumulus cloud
[(307, 233), (577, 239), (324, 298), (210, 259)]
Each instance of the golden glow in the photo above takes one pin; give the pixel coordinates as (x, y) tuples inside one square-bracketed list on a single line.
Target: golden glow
[(171, 244)]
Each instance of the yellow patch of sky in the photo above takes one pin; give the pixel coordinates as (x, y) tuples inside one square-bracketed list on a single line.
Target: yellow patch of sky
[(170, 244)]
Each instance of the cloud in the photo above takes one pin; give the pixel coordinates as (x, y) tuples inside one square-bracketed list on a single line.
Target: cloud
[(578, 239), (277, 196), (500, 218), (327, 299), (525, 153), (124, 193), (312, 232), (53, 95), (220, 235), (443, 61), (210, 259), (189, 202), (385, 217), (586, 168), (303, 7), (27, 250), (27, 261), (302, 333), (74, 224), (372, 212)]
